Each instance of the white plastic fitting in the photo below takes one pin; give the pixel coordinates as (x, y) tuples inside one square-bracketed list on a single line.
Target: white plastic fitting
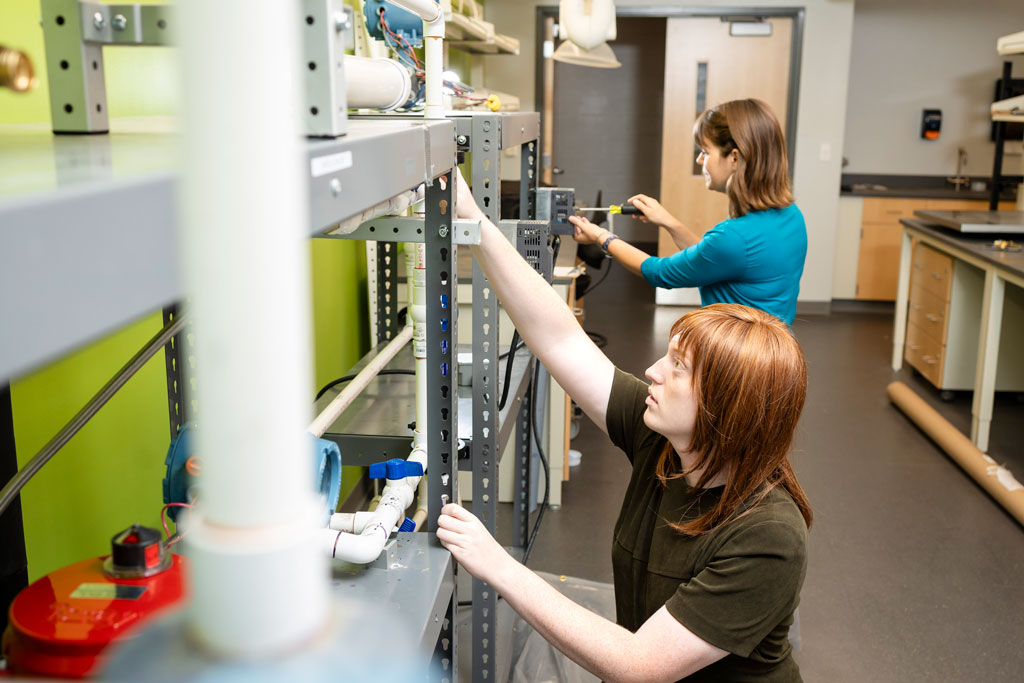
[(376, 83)]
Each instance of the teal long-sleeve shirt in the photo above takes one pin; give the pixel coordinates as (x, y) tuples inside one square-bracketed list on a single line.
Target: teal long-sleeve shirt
[(755, 260)]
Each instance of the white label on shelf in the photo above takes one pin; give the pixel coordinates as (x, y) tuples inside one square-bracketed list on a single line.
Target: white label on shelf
[(331, 163)]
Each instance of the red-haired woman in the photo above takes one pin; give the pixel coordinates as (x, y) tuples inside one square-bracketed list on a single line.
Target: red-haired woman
[(756, 256), (709, 550)]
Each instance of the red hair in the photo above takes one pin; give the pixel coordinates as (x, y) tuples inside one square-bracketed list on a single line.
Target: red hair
[(750, 380)]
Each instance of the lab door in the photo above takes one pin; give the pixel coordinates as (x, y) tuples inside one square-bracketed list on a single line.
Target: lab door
[(705, 66)]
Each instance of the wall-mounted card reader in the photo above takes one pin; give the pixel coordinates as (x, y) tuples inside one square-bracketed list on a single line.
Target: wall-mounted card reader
[(931, 123)]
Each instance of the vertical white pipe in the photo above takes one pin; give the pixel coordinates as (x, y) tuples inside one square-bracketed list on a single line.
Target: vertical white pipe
[(433, 46), (259, 585), (418, 308)]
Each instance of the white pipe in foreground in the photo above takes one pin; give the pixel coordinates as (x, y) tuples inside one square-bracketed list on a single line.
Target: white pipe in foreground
[(244, 214), (433, 47), (356, 386), (376, 83)]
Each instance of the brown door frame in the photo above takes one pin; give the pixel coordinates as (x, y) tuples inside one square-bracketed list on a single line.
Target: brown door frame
[(657, 11)]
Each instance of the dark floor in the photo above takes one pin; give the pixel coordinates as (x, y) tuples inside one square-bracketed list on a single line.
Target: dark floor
[(915, 574)]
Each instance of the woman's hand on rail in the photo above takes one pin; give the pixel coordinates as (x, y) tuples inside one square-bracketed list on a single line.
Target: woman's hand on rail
[(586, 232), (470, 543)]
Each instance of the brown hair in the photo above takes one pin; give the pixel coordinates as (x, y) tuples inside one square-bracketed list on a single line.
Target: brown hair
[(750, 380), (761, 180)]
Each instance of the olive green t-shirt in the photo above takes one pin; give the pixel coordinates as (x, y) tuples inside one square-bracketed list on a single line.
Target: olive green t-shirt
[(735, 587)]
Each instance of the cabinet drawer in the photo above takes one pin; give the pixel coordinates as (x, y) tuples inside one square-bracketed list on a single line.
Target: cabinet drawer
[(932, 270), (925, 354), (929, 313), (879, 210)]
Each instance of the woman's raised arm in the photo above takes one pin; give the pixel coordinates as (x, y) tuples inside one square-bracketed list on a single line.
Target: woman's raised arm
[(543, 319)]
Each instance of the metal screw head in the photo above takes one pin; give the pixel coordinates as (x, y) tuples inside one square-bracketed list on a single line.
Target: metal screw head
[(443, 231), (462, 139), (335, 186), (98, 21), (119, 22)]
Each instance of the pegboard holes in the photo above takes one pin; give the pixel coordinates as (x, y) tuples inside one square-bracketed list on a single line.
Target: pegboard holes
[(444, 254), (444, 436), (487, 483), (314, 111), (161, 24), (312, 66), (487, 432), (68, 108), (444, 391), (487, 293), (309, 20), (444, 369), (64, 64), (487, 415), (487, 328), (444, 301), (443, 204), (487, 311), (60, 20)]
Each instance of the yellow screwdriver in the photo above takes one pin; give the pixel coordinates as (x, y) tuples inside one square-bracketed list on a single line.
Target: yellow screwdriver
[(625, 209)]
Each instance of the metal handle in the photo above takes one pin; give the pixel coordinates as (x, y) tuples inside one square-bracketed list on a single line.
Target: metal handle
[(557, 171)]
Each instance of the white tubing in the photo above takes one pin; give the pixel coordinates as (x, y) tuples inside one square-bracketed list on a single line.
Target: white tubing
[(427, 10), (366, 545), (244, 203), (433, 46), (418, 308), (391, 207), (376, 83), (356, 386)]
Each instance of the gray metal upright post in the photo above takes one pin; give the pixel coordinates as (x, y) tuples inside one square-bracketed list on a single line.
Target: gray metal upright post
[(387, 291), (528, 181), (521, 480), (442, 420), (176, 356), (486, 180)]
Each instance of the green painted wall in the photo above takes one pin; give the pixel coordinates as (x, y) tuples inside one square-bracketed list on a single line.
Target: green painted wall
[(108, 476)]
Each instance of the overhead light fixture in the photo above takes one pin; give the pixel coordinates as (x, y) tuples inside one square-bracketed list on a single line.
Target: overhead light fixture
[(585, 27)]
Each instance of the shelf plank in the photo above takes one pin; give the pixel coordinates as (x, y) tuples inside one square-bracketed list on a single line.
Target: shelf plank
[(88, 223)]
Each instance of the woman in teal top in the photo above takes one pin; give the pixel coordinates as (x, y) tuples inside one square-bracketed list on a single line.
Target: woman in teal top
[(756, 256)]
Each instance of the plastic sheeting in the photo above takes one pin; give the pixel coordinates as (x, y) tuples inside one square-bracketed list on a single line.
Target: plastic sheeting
[(536, 661)]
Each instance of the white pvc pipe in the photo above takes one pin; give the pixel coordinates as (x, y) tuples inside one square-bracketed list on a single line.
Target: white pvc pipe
[(395, 205), (427, 10), (433, 46), (366, 545), (376, 83), (244, 203), (342, 401), (418, 308)]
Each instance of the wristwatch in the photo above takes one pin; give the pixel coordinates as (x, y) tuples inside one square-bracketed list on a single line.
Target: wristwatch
[(608, 240)]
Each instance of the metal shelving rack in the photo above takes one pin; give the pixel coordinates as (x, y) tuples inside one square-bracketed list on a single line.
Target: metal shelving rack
[(376, 426), (88, 244)]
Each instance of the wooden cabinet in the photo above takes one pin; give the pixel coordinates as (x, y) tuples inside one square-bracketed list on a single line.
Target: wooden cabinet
[(879, 255), (944, 319)]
